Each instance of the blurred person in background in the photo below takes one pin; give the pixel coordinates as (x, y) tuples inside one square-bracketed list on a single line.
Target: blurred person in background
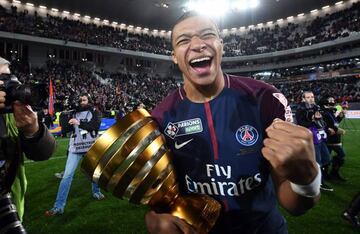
[(85, 123), (309, 115), (334, 136)]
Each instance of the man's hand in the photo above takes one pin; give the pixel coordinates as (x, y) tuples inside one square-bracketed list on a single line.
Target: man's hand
[(26, 119), (2, 96), (290, 150), (74, 121), (331, 131), (166, 223), (340, 131)]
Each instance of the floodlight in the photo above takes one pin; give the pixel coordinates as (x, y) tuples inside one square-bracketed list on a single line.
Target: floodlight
[(239, 5), (254, 3), (339, 3)]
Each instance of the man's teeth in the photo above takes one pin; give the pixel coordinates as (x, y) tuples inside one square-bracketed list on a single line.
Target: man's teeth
[(200, 60)]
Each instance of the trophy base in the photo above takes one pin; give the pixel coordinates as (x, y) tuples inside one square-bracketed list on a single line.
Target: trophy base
[(200, 211)]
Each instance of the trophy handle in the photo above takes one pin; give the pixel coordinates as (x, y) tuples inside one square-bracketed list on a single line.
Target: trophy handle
[(200, 211)]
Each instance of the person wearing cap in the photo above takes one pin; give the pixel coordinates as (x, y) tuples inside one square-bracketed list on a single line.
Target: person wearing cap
[(20, 132)]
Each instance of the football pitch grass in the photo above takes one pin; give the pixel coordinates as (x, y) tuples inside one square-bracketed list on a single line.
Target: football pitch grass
[(85, 215)]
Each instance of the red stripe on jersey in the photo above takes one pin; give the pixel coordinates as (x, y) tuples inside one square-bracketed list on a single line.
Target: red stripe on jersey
[(212, 130)]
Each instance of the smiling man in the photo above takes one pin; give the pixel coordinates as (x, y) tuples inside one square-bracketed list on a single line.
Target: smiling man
[(230, 140)]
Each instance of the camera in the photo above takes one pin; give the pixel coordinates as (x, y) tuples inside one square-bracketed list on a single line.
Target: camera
[(34, 95), (310, 110), (10, 221)]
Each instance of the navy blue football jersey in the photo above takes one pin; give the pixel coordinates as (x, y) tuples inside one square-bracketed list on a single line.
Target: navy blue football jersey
[(216, 148)]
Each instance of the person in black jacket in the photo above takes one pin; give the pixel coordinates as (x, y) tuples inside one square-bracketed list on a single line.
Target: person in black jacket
[(85, 124), (309, 115), (45, 117), (334, 136), (20, 132)]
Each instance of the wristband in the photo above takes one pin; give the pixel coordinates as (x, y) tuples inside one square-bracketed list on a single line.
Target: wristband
[(311, 190)]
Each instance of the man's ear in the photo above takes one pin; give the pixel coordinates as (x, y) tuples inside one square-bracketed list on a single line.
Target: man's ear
[(173, 57)]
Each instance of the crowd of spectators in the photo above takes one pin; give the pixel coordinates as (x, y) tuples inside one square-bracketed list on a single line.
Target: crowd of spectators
[(126, 91), (77, 31), (342, 89), (264, 40), (120, 91), (313, 71), (255, 41)]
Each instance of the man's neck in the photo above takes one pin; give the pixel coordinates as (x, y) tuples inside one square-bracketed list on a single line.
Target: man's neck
[(201, 94)]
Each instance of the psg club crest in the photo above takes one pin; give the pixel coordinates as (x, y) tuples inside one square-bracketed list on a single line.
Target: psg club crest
[(247, 135)]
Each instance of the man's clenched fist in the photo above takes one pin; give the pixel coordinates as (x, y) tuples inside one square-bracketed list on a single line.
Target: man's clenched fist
[(290, 150)]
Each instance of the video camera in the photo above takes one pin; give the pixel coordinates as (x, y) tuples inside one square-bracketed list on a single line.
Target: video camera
[(34, 95), (310, 110)]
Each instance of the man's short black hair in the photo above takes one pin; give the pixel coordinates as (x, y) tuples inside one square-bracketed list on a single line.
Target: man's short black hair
[(187, 15), (86, 95)]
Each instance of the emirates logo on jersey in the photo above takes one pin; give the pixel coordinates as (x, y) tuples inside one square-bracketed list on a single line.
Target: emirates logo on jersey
[(247, 135)]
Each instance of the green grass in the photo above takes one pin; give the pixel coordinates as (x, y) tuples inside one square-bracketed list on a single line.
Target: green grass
[(112, 215)]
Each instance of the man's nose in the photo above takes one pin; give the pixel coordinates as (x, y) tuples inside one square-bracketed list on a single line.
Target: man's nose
[(197, 44)]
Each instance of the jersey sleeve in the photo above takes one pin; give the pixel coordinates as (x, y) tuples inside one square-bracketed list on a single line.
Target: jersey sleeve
[(274, 104)]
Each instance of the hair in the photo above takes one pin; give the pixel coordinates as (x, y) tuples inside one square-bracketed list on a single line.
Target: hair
[(86, 95), (190, 14)]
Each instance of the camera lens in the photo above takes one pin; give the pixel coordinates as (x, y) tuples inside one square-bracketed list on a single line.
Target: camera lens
[(9, 219)]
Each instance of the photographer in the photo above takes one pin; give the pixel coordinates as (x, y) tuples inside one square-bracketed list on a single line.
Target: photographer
[(45, 118), (334, 138), (309, 115), (20, 133), (84, 124)]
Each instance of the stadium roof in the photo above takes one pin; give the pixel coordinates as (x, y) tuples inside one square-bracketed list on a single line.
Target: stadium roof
[(154, 14)]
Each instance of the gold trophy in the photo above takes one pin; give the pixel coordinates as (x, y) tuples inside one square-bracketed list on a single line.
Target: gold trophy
[(132, 161)]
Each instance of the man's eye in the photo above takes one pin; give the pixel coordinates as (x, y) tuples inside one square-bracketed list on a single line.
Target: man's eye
[(183, 41), (208, 35)]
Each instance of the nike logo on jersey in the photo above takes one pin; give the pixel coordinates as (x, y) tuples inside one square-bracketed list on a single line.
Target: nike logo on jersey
[(179, 146)]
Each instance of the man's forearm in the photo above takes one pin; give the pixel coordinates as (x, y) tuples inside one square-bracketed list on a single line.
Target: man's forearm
[(41, 146)]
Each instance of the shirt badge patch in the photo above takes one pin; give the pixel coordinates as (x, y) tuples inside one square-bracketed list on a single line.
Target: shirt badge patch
[(247, 135), (185, 127)]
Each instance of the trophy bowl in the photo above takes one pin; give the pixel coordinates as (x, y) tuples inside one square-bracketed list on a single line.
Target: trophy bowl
[(131, 161)]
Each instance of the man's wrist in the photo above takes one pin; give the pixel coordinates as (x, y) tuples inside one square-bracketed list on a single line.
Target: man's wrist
[(32, 131), (310, 190)]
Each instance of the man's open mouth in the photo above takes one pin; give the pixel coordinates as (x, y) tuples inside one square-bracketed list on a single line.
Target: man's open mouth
[(201, 65)]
